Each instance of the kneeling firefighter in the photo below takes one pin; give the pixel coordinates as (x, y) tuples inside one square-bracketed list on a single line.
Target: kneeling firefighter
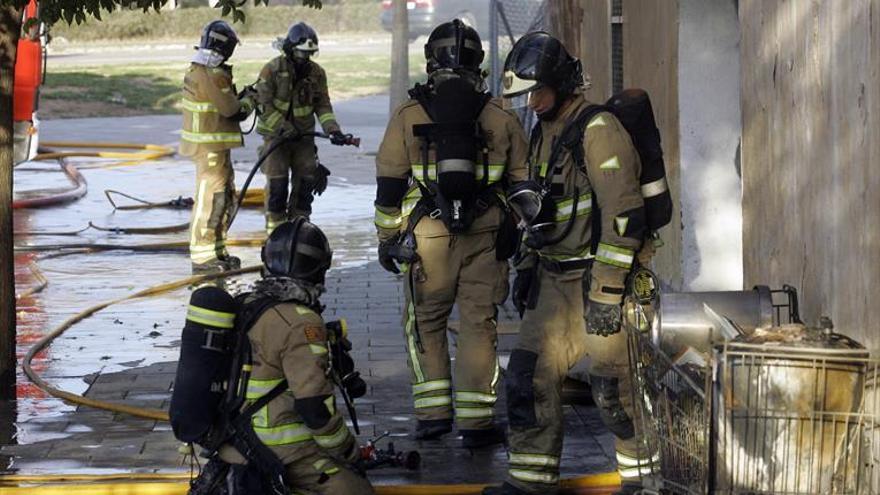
[(292, 92), (255, 380), (211, 113), (582, 242), (445, 159)]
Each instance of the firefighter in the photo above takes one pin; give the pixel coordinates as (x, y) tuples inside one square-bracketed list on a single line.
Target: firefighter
[(304, 427), (571, 301), (211, 113), (444, 161), (291, 93)]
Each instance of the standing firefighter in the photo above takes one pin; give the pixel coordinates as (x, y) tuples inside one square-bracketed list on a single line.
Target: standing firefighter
[(292, 91), (560, 286), (211, 113), (446, 156), (289, 434)]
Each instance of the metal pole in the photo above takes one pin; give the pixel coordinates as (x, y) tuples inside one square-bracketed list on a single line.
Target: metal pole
[(494, 62)]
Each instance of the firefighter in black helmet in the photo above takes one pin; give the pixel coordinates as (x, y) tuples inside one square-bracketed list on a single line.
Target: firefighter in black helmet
[(292, 93), (211, 113), (447, 155), (304, 427), (570, 295)]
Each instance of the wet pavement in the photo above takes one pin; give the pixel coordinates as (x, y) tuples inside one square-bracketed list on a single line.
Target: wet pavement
[(127, 352)]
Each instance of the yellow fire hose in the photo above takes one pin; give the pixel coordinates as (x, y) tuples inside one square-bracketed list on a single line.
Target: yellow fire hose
[(177, 483), (149, 152)]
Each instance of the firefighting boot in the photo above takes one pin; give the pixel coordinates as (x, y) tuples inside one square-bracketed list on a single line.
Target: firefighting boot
[(474, 439), (430, 429)]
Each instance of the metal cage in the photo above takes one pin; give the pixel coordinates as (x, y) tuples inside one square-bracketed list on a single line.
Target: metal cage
[(756, 419)]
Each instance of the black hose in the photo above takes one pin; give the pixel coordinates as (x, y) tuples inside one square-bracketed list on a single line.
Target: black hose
[(284, 138)]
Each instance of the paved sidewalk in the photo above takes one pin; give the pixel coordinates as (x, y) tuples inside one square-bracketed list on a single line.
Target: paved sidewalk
[(127, 353)]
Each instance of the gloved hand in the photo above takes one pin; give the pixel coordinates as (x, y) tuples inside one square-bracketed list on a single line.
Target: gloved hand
[(247, 92), (287, 128), (385, 258), (338, 138), (522, 284), (603, 319), (315, 4), (320, 184)]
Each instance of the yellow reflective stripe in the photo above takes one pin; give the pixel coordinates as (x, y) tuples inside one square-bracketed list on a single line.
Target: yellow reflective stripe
[(281, 104), (425, 387), (302, 310), (334, 439), (615, 256), (542, 172), (540, 460), (596, 122), (258, 388), (318, 349), (534, 476), (284, 434), (211, 137), (630, 461), (496, 171), (583, 255), (209, 317), (261, 417), (443, 400), (584, 207), (418, 171), (270, 119), (495, 377), (326, 117), (411, 344), (477, 397), (302, 111), (654, 188), (198, 106), (610, 164), (474, 412), (386, 221), (409, 203)]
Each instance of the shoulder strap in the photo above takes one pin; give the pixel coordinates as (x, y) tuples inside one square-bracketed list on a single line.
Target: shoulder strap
[(572, 136), (258, 404)]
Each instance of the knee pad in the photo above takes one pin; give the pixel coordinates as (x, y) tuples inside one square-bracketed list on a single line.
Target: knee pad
[(520, 388), (277, 200), (606, 395)]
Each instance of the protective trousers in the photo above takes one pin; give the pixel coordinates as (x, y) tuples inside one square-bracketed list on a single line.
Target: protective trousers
[(552, 339), (215, 191), (293, 163), (321, 475), (454, 269)]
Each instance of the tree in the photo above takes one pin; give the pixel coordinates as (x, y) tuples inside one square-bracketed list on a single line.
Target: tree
[(399, 54), (51, 11)]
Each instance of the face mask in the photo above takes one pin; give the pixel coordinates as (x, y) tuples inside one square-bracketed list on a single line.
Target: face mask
[(208, 58)]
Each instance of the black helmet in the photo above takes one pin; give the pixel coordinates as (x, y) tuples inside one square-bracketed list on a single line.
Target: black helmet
[(454, 45), (219, 36), (297, 249), (539, 59), (301, 40)]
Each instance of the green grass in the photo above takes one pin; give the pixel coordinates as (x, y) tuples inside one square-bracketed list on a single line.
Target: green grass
[(186, 24), (155, 88)]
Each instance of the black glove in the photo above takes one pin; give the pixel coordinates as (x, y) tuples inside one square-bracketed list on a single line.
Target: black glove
[(247, 92), (522, 285), (603, 319), (315, 4), (338, 138), (385, 259), (320, 184)]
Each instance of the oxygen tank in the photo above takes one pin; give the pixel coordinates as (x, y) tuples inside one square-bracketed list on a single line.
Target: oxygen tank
[(204, 365)]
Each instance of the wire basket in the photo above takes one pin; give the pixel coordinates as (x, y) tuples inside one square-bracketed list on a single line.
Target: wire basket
[(756, 419)]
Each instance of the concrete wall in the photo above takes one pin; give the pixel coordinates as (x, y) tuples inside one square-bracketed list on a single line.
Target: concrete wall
[(710, 129), (650, 39), (811, 144)]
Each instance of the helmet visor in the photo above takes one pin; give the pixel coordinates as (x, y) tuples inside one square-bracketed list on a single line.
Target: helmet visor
[(446, 53), (514, 85)]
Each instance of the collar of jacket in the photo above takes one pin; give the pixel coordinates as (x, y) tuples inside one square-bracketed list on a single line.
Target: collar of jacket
[(284, 289)]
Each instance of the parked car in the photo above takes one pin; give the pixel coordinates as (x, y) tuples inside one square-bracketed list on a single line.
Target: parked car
[(424, 15)]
